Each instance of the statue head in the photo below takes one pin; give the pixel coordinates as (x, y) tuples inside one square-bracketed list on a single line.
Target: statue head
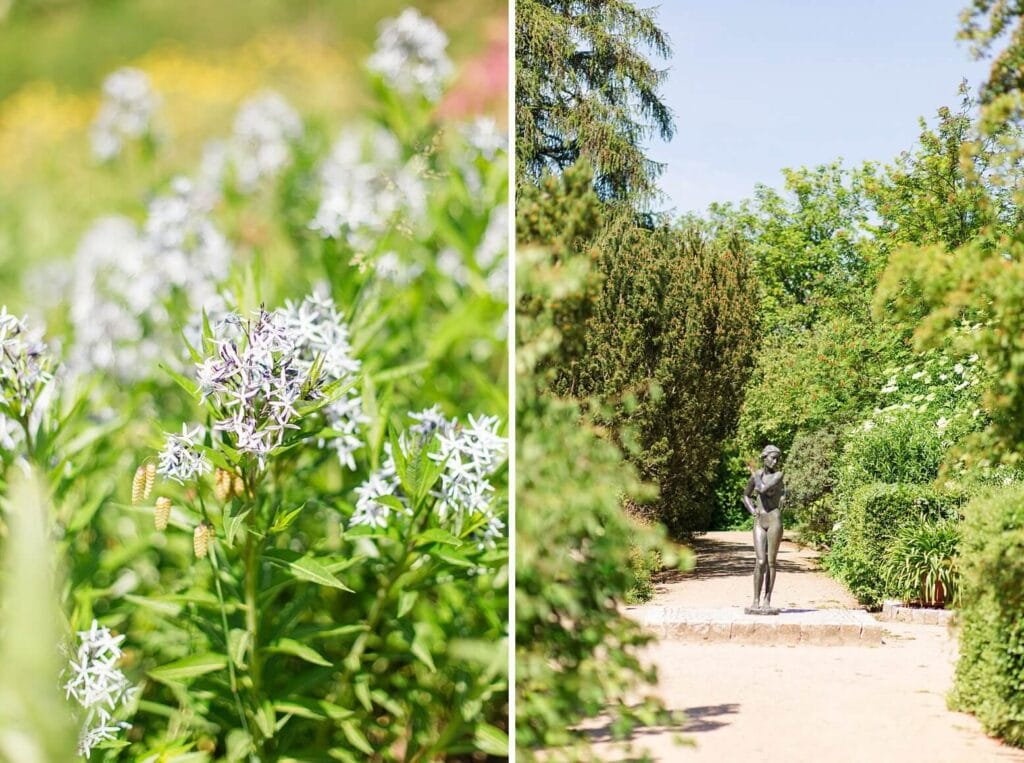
[(771, 456)]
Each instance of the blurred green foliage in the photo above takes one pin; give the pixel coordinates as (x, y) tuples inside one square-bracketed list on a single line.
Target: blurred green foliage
[(576, 652)]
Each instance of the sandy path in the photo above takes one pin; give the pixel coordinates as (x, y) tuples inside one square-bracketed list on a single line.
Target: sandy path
[(806, 703)]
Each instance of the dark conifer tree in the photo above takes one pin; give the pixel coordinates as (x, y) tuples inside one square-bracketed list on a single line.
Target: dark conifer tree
[(586, 88)]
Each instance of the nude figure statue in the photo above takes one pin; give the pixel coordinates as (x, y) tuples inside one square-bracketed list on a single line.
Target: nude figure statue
[(764, 497)]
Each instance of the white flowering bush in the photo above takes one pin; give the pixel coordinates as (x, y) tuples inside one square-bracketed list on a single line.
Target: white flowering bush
[(270, 406), (297, 582), (126, 113)]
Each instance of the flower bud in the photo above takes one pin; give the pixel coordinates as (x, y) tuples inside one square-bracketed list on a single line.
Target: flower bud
[(162, 513), (150, 479), (138, 484), (238, 488), (222, 485), (201, 540)]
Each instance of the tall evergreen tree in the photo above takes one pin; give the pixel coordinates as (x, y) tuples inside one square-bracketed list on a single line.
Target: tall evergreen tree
[(585, 87)]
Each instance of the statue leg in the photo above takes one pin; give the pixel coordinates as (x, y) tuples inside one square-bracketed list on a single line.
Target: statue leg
[(774, 538), (760, 565)]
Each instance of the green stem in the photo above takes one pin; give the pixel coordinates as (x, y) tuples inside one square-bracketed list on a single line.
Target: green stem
[(232, 676), (376, 611), (251, 623), (227, 641)]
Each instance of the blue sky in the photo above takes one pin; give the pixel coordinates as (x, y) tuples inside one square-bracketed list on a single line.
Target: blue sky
[(758, 86)]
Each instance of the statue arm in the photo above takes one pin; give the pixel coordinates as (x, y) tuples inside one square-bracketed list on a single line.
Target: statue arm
[(748, 495)]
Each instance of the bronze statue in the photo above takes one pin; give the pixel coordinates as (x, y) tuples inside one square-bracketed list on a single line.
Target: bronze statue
[(763, 498)]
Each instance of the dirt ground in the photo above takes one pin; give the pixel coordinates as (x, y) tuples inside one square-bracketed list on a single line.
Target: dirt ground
[(804, 703)]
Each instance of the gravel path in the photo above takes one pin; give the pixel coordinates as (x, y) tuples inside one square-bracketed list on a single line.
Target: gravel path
[(804, 703)]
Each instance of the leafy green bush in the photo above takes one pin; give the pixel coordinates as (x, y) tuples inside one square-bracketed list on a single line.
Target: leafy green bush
[(870, 519), (811, 477), (576, 654), (668, 346), (822, 377), (902, 446), (989, 679), (921, 564), (730, 480)]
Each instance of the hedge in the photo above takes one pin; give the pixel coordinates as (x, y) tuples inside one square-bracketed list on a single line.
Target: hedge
[(869, 520), (990, 672)]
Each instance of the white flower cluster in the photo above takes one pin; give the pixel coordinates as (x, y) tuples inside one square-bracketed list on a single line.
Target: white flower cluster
[(256, 382), (367, 188), (260, 146), (181, 460), (126, 112), (124, 280), (410, 55), (470, 454), (96, 683), (26, 370), (492, 252), (261, 373), (188, 250), (934, 382), (319, 334), (484, 136)]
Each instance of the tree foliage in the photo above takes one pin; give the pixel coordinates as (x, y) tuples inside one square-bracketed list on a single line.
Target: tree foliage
[(809, 244), (668, 348), (585, 87)]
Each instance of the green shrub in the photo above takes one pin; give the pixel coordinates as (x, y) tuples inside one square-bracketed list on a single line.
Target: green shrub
[(643, 563), (870, 519), (729, 512), (921, 564), (822, 377), (811, 476), (989, 678), (668, 345), (901, 446)]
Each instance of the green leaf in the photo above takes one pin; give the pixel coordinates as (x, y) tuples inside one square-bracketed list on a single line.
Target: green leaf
[(362, 692), (189, 667), (391, 501), (300, 650), (355, 737), (233, 527), (313, 631), (168, 608), (339, 753), (238, 645), (452, 559), (239, 745), (284, 521), (397, 372), (437, 535), (398, 455), (186, 384), (491, 740), (266, 719), (419, 648), (304, 568), (312, 709), (405, 602)]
